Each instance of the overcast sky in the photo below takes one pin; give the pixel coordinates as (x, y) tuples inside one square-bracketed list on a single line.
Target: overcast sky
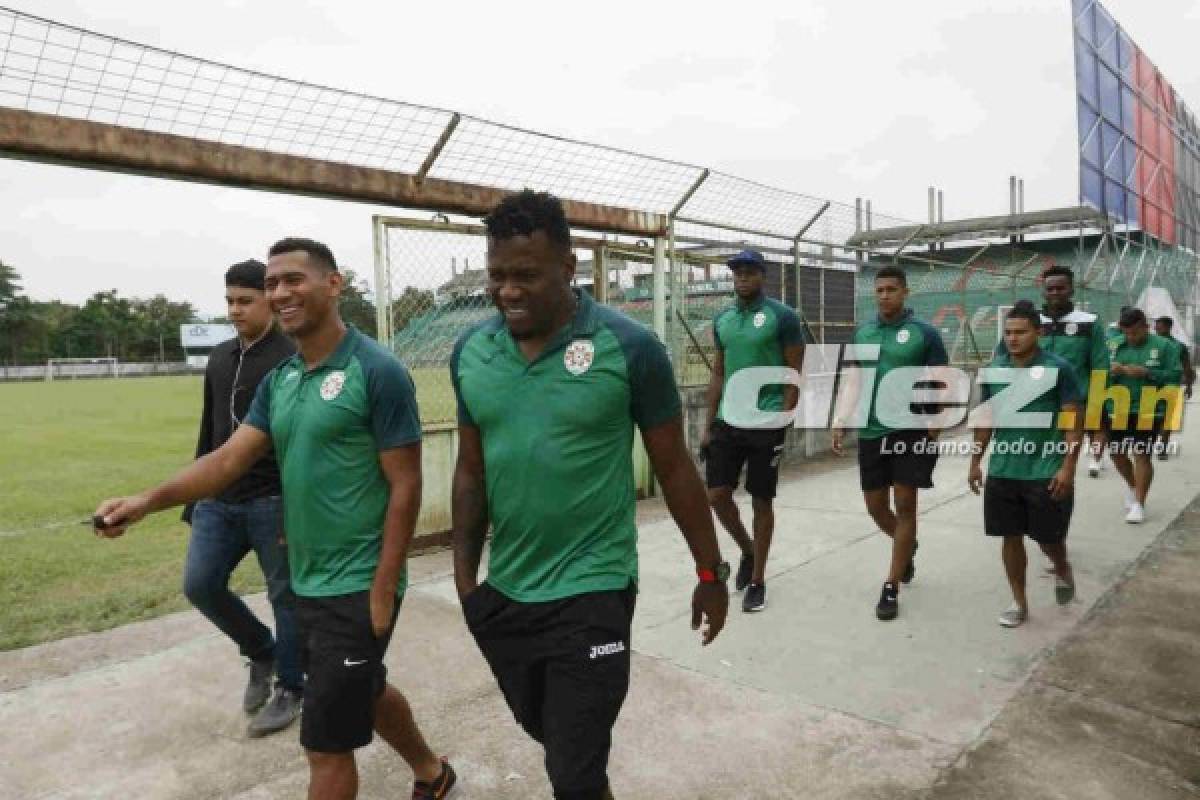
[(835, 98)]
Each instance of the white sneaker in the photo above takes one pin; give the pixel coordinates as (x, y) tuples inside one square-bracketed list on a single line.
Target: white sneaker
[(1013, 617), (1130, 499), (1136, 515), (1094, 468)]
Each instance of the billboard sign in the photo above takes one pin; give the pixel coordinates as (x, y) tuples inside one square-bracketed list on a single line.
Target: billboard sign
[(205, 336), (1139, 145)]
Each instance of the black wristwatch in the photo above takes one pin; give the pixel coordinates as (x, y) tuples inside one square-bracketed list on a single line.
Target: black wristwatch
[(718, 575)]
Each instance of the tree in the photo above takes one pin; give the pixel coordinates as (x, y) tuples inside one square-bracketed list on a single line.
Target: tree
[(156, 325), (19, 326), (16, 313), (104, 326), (356, 304), (411, 303), (10, 285)]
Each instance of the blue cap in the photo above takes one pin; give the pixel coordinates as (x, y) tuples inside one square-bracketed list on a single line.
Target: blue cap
[(748, 258)]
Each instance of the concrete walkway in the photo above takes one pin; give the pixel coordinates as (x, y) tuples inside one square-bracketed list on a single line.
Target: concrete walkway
[(812, 698)]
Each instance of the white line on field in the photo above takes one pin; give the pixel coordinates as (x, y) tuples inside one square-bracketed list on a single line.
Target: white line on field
[(51, 526)]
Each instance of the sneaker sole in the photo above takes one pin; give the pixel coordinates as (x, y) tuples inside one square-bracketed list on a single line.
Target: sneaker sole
[(453, 791), (259, 734), (753, 609), (255, 708), (886, 615)]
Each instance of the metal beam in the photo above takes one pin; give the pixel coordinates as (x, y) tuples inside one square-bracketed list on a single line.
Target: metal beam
[(981, 226), (32, 136), (683, 201), (438, 146), (734, 228), (811, 221), (906, 243)]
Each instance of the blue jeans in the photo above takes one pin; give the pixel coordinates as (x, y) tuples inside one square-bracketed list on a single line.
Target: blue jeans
[(222, 535)]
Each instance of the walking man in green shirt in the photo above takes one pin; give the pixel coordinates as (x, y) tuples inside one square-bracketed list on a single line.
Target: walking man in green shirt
[(549, 393), (1144, 365), (1164, 327), (342, 416), (1031, 472), (754, 332), (893, 464), (1075, 335)]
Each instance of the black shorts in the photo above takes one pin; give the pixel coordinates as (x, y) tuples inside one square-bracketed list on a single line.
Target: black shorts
[(346, 675), (906, 458), (760, 450), (563, 667), (1014, 508), (1131, 441)]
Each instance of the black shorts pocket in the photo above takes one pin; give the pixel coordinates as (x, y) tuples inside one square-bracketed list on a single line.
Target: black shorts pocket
[(478, 605)]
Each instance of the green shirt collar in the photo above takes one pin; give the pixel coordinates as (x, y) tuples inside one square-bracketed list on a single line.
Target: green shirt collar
[(339, 358), (904, 317), (1046, 312), (754, 305), (582, 326)]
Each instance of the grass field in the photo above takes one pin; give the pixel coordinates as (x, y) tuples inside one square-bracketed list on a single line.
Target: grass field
[(67, 445)]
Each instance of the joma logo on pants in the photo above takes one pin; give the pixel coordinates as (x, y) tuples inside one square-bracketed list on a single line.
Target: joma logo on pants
[(607, 649)]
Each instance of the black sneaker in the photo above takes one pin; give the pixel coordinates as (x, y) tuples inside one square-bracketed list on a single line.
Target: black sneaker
[(745, 571), (279, 712), (258, 687), (889, 602), (910, 571), (439, 789), (755, 598)]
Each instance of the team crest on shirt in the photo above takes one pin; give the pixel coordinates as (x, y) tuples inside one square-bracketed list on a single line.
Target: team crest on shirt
[(331, 387), (760, 319), (902, 335), (1072, 328), (579, 356)]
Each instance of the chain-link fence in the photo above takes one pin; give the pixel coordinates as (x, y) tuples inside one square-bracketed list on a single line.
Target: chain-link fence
[(964, 291)]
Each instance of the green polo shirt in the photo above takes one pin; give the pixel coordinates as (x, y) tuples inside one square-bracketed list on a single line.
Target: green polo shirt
[(1077, 336), (1155, 354), (1176, 348), (1028, 454), (557, 435), (328, 425), (755, 334), (903, 342)]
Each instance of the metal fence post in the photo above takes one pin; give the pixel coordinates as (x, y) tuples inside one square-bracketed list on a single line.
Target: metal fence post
[(383, 283), (600, 274), (660, 287)]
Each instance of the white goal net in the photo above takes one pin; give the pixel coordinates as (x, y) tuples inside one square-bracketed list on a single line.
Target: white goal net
[(70, 368)]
